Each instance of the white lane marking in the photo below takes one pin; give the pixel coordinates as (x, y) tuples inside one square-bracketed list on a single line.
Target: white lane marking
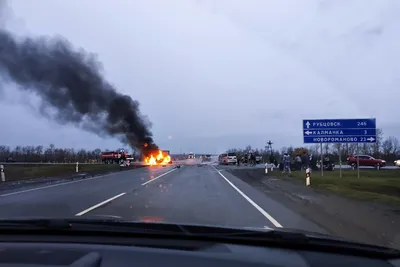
[(155, 178), (54, 185), (255, 205), (117, 196), (98, 205), (58, 184)]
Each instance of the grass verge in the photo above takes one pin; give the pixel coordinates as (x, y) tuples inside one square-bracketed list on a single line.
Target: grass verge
[(31, 171), (373, 185)]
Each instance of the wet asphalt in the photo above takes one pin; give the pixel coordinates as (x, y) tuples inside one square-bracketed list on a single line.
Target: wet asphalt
[(193, 194)]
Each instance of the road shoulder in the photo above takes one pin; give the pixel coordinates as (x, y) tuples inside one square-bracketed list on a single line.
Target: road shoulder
[(355, 220)]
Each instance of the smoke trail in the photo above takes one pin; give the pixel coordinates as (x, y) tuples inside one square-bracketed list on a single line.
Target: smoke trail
[(71, 88)]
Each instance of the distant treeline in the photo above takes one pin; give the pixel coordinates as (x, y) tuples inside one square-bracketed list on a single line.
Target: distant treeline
[(48, 154), (385, 148)]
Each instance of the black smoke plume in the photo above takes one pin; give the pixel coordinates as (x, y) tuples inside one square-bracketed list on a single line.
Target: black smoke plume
[(70, 83)]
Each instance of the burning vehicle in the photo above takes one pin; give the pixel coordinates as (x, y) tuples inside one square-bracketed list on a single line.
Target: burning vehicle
[(161, 157)]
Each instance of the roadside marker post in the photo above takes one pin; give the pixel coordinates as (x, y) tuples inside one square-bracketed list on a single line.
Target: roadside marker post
[(308, 177), (3, 175), (342, 131), (266, 167), (77, 167)]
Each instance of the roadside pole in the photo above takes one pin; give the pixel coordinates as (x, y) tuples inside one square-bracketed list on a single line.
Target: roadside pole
[(77, 168), (3, 175), (340, 160), (358, 163), (308, 178), (322, 162)]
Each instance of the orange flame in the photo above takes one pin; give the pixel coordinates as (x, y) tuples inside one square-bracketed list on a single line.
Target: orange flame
[(158, 159)]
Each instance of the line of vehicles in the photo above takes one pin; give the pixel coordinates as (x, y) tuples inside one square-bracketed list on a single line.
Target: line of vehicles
[(205, 157), (120, 156), (229, 158), (360, 160)]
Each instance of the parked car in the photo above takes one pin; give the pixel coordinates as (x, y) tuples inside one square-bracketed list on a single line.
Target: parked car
[(365, 160), (259, 159), (397, 163), (328, 165), (227, 158), (222, 158)]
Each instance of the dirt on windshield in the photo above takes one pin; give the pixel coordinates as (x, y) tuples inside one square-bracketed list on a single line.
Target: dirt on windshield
[(362, 221)]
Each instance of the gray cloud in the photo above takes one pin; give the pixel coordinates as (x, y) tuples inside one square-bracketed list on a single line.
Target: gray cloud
[(71, 89), (214, 73)]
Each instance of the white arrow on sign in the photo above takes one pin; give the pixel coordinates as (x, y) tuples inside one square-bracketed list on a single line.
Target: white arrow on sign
[(371, 139), (308, 124), (308, 132)]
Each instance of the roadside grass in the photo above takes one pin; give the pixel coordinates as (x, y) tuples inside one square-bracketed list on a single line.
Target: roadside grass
[(373, 185), (30, 171)]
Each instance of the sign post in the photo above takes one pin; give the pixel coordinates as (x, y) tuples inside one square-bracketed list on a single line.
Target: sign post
[(358, 164), (333, 131), (340, 159), (322, 162)]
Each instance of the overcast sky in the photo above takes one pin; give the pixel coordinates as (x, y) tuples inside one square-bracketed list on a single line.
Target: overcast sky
[(216, 74)]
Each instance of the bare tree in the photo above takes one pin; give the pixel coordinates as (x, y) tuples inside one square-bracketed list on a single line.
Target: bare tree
[(377, 146), (326, 148)]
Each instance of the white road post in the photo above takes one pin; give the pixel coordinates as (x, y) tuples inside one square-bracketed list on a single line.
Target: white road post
[(77, 167), (3, 175), (266, 168), (272, 167), (308, 178)]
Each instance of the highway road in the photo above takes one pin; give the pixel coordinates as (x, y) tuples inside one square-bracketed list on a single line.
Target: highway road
[(191, 194)]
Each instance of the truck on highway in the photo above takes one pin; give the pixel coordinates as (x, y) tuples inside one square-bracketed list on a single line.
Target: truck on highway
[(115, 157)]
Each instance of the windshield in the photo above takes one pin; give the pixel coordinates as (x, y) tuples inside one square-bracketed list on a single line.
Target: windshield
[(222, 113)]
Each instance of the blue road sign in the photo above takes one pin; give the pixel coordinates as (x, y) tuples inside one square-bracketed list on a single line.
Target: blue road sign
[(339, 131)]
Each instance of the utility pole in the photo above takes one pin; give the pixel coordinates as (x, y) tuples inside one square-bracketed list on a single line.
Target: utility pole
[(269, 148)]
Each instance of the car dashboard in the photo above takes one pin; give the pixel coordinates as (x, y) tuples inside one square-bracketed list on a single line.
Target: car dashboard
[(26, 251)]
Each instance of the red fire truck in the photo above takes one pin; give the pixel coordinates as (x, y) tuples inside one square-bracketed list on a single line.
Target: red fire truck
[(115, 157)]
